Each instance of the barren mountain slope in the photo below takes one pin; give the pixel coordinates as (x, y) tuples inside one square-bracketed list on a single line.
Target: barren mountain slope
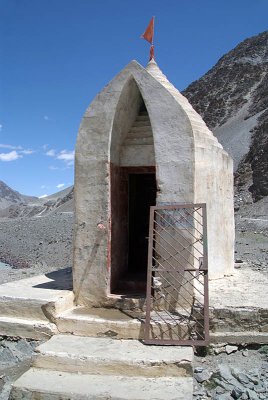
[(233, 100), (13, 204), (9, 197)]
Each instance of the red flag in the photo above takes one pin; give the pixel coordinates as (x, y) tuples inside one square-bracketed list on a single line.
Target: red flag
[(149, 33)]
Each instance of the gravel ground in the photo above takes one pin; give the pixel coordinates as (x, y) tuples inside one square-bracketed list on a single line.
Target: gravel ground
[(15, 359), (241, 374), (34, 246), (252, 248)]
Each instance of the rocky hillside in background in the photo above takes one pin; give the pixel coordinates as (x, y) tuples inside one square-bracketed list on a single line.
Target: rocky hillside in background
[(232, 98), (9, 197), (13, 204)]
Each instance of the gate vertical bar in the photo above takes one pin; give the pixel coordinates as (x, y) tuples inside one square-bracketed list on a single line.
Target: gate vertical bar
[(149, 274), (206, 292)]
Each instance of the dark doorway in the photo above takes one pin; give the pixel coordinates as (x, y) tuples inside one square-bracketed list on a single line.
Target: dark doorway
[(141, 194)]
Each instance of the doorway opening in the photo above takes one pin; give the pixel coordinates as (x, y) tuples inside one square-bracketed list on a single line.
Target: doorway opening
[(129, 264)]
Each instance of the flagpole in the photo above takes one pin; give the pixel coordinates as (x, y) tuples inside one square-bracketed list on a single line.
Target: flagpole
[(152, 45)]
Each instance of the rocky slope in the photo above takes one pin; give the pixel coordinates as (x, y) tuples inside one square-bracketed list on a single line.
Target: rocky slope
[(35, 234), (14, 205), (232, 98), (9, 197)]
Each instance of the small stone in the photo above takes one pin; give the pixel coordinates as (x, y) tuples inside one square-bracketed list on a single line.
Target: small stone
[(198, 369), (220, 390), (244, 397), (224, 385), (225, 372), (203, 376), (245, 353), (259, 389), (219, 350), (254, 372), (236, 393), (254, 380), (249, 385), (252, 395), (225, 396), (231, 349), (242, 378)]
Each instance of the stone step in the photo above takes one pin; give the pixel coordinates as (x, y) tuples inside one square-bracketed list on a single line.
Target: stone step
[(34, 298), (106, 356), (25, 328), (239, 324), (132, 141), (47, 384), (114, 323), (238, 337), (144, 117), (100, 322), (142, 134), (137, 129), (143, 122), (143, 113), (18, 307)]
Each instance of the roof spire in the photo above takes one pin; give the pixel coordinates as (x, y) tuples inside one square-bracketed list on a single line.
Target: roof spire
[(149, 36)]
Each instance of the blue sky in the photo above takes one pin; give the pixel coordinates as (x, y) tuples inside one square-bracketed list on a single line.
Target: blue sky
[(56, 55)]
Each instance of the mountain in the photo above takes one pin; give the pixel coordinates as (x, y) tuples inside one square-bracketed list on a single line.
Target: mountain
[(9, 197), (13, 204), (232, 98)]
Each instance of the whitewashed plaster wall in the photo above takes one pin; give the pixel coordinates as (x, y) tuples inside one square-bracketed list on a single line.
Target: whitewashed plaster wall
[(180, 167), (175, 175)]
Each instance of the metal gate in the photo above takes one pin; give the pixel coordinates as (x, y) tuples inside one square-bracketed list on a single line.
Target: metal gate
[(177, 281)]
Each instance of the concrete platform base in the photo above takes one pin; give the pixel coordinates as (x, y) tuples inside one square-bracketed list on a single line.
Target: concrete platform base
[(29, 307), (41, 306), (84, 362), (239, 307), (54, 385)]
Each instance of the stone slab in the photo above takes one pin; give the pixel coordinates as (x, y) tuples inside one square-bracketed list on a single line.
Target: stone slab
[(25, 328), (239, 307), (245, 288), (54, 385), (100, 322), (40, 287), (28, 306), (249, 337), (113, 357)]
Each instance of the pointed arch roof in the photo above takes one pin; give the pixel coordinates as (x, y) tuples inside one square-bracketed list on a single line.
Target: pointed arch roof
[(199, 127)]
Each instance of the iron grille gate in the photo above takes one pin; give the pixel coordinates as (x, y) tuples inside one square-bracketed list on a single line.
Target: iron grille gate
[(177, 282)]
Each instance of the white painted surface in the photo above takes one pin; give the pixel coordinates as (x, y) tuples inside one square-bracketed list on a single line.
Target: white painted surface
[(191, 167)]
